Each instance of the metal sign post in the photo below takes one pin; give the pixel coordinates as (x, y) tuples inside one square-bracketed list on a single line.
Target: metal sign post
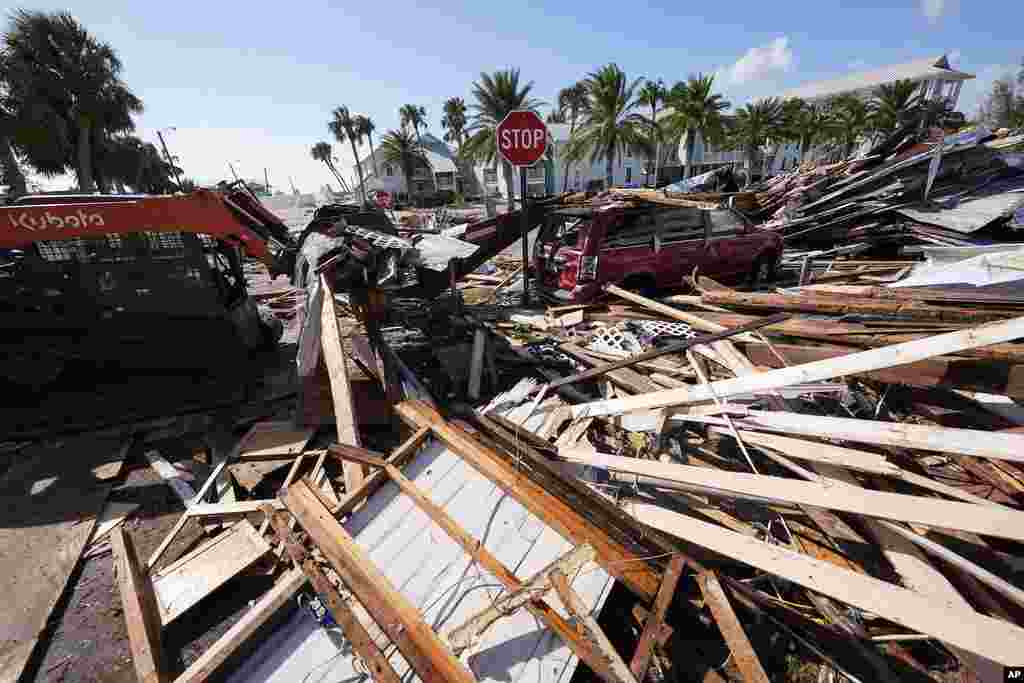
[(522, 139)]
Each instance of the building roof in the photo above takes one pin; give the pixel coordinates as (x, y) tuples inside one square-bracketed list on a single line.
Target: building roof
[(440, 155), (918, 70)]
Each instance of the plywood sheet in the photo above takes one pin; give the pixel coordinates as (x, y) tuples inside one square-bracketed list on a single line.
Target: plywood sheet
[(274, 438), (184, 583)]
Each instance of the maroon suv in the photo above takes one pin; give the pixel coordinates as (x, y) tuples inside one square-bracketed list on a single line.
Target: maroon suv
[(581, 249)]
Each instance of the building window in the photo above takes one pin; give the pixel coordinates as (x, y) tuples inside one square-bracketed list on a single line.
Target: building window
[(446, 180), (419, 173), (419, 187), (389, 170), (535, 172), (491, 175), (629, 174), (629, 152)]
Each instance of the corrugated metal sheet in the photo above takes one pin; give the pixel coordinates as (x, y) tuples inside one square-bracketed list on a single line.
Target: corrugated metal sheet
[(434, 572), (999, 200)]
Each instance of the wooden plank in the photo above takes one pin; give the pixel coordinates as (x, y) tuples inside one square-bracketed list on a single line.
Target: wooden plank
[(941, 371), (290, 583), (51, 500), (617, 670), (973, 442), (463, 636), (854, 363), (656, 619), (492, 564), (377, 664), (998, 640), (341, 392), (392, 611), (624, 377), (614, 558), (113, 515), (241, 507), (346, 453), (849, 458), (731, 628), (182, 584), (1001, 522), (141, 614), (401, 455)]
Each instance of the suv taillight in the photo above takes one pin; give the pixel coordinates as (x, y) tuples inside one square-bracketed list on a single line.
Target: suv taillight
[(587, 269)]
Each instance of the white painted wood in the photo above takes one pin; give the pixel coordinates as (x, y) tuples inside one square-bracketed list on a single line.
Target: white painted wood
[(825, 493), (112, 515), (168, 473), (992, 638), (854, 363), (239, 507), (849, 458), (981, 444)]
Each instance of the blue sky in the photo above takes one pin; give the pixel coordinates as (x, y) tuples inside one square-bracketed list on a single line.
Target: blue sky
[(254, 83)]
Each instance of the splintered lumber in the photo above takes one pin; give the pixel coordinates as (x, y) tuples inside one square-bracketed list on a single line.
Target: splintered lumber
[(378, 478), (941, 371), (1002, 522), (625, 378), (852, 364), (656, 619), (845, 305), (141, 614), (614, 557), (997, 640), (476, 365), (524, 594), (489, 562), (182, 584), (616, 670), (290, 583), (973, 442), (364, 646), (274, 438), (170, 474), (861, 461), (341, 391), (392, 611), (731, 628), (346, 454), (671, 348)]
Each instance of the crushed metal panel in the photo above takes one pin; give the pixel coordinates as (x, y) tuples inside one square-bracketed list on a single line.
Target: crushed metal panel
[(971, 214), (439, 578)]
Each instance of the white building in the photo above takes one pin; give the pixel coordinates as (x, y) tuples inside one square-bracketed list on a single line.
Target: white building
[(936, 78), (441, 160)]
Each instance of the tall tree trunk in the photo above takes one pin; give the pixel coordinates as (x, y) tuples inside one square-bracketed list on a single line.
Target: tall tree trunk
[(84, 169), (359, 168), (373, 158), (430, 169), (510, 184), (12, 175), (568, 161), (609, 172)]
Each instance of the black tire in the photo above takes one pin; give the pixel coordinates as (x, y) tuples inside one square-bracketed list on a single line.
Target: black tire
[(762, 272)]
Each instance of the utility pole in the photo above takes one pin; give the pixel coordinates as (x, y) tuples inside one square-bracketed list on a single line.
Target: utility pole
[(170, 160), (266, 180)]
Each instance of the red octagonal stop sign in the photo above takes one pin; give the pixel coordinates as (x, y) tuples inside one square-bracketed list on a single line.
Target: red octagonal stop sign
[(522, 138)]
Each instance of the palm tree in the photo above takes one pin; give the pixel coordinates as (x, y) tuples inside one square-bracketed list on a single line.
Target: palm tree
[(415, 117), (400, 147), (611, 126), (57, 70), (573, 103), (343, 126), (496, 95), (651, 95), (696, 110), (804, 123), (849, 120), (10, 170), (893, 104), (322, 151), (555, 116), (756, 124), (454, 121), (367, 128)]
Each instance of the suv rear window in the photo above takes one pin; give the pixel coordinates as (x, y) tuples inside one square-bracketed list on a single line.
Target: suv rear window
[(632, 230), (678, 225)]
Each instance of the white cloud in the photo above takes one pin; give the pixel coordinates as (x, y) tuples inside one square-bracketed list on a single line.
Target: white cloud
[(933, 9), (759, 62)]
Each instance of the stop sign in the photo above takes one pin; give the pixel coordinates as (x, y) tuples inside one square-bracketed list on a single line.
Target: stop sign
[(522, 138)]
